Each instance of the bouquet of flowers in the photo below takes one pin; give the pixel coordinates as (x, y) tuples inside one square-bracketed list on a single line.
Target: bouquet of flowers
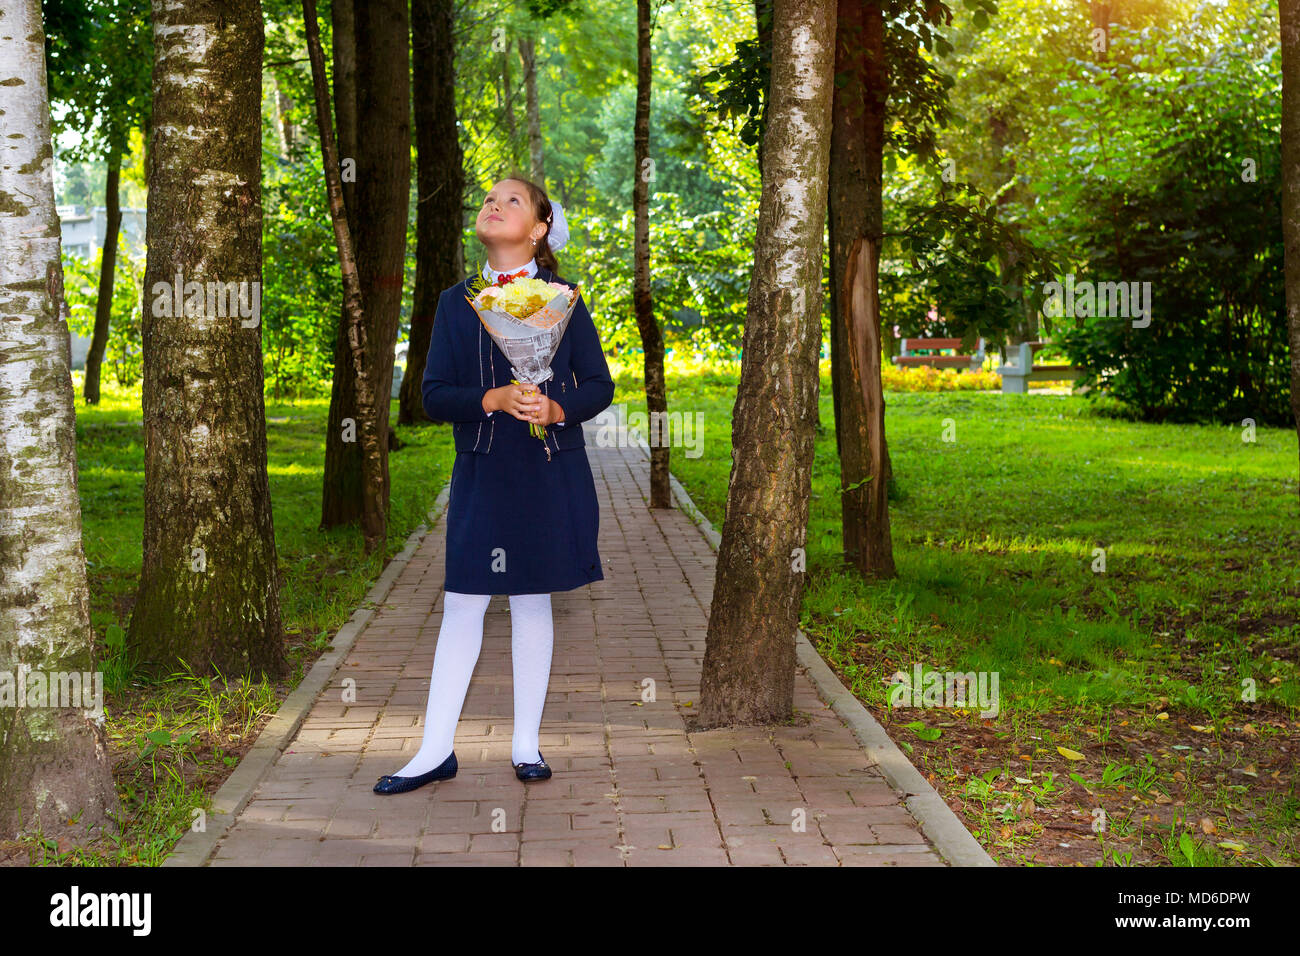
[(526, 319)]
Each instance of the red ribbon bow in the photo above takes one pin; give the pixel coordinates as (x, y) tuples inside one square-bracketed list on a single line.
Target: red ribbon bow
[(503, 278)]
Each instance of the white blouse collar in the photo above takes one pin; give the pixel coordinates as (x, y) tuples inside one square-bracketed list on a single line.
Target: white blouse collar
[(491, 274)]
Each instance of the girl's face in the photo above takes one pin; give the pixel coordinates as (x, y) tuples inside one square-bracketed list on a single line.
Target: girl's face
[(506, 218)]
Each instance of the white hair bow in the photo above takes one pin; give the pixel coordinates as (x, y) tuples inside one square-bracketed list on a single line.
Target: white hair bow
[(559, 233)]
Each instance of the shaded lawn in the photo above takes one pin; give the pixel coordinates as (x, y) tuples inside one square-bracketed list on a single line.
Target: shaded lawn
[(1136, 669), (326, 577), (1139, 669)]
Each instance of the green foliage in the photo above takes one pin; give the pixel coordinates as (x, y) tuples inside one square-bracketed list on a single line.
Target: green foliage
[(955, 243), (123, 354), (302, 286), (700, 279), (1155, 160), (99, 60), (1198, 220)]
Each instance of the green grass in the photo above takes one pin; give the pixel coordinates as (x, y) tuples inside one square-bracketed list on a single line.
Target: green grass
[(174, 741), (1138, 669), (326, 576), (994, 538)]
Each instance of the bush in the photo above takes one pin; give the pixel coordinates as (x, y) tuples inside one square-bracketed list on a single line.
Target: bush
[(926, 379)]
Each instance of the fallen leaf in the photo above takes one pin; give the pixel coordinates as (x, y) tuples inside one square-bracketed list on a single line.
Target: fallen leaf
[(1207, 825), (1069, 754)]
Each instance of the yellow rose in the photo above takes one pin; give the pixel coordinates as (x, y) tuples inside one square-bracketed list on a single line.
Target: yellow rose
[(522, 297)]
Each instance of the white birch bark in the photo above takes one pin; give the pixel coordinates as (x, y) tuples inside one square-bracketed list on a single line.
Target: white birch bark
[(53, 760)]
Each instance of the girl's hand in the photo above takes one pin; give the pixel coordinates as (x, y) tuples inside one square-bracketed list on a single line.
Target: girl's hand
[(524, 402)]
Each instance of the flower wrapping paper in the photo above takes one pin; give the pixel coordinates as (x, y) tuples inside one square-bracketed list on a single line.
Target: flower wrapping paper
[(530, 344)]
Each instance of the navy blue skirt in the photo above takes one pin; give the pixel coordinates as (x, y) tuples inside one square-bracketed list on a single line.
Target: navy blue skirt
[(518, 523)]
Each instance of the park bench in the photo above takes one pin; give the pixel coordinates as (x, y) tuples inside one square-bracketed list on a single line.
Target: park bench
[(907, 359), (1021, 370)]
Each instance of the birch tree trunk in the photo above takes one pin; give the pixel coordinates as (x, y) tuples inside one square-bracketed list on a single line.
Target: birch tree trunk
[(53, 759), (857, 224), (209, 588), (377, 221), (749, 657), (440, 187), (1289, 16), (107, 270), (652, 340)]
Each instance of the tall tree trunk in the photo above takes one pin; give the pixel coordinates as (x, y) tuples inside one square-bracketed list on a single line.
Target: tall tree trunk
[(373, 518), (652, 342), (209, 588), (1010, 265), (528, 56), (1099, 13), (749, 656), (872, 550), (856, 209), (1289, 16), (508, 88), (440, 187), (107, 270), (284, 125), (763, 27), (378, 227), (343, 36), (54, 764)]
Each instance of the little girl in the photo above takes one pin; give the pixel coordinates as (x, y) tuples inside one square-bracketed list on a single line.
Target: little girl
[(518, 523)]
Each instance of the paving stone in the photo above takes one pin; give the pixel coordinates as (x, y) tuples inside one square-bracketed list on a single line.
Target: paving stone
[(627, 777)]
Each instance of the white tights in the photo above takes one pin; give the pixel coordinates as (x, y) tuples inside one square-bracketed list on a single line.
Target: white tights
[(459, 641)]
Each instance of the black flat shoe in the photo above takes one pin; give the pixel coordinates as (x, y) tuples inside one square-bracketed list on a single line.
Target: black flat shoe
[(444, 771), (533, 771)]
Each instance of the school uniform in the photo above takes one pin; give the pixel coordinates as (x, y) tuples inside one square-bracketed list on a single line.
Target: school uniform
[(517, 523)]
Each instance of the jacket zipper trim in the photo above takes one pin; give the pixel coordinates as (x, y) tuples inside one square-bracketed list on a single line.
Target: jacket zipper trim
[(492, 428), (480, 381)]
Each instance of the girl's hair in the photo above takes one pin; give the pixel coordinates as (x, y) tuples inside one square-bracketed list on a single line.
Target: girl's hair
[(544, 254)]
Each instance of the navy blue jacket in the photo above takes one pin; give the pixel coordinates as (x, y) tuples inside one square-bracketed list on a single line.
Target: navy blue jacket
[(463, 363)]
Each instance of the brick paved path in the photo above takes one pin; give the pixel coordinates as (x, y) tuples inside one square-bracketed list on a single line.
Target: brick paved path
[(630, 786)]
